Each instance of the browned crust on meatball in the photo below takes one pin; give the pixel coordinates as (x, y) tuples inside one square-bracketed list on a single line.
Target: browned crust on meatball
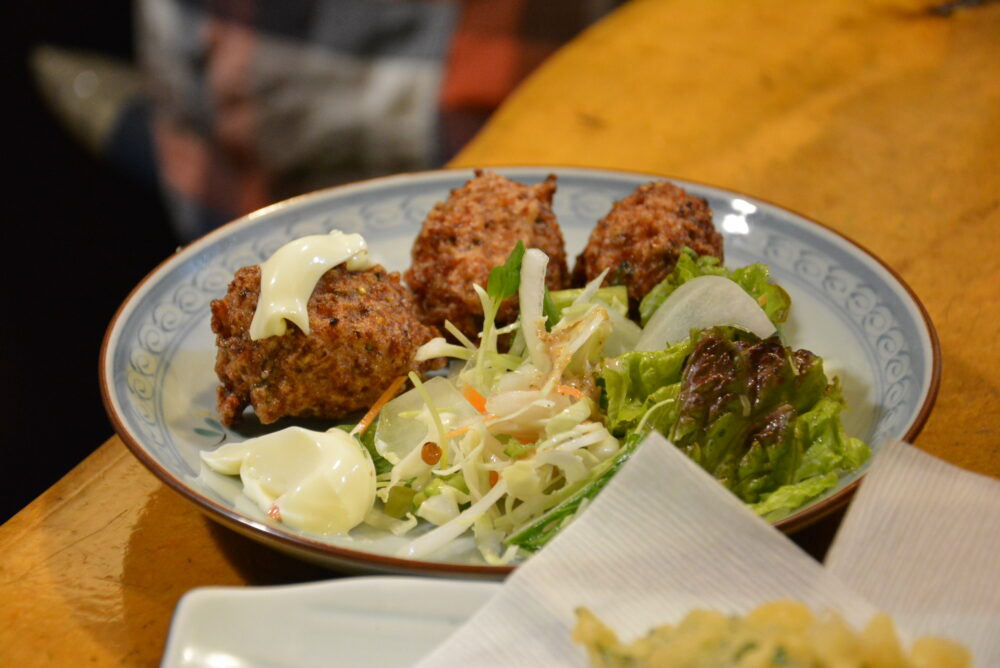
[(640, 239), (364, 331), (471, 232)]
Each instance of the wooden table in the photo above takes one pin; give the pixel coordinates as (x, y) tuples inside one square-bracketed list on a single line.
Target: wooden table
[(881, 119)]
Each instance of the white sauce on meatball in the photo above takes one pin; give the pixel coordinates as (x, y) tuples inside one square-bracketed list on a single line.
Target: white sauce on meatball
[(288, 278)]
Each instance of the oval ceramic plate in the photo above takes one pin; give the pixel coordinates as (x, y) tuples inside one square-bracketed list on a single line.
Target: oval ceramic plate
[(157, 360), (374, 621)]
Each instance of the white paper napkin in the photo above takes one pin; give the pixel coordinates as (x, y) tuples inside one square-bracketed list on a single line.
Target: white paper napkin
[(922, 542), (664, 537)]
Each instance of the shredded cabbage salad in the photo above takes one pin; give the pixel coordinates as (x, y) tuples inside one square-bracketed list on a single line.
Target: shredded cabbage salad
[(514, 440), (507, 436)]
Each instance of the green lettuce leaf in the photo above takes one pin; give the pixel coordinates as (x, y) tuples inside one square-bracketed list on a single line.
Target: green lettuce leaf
[(755, 414), (782, 501), (755, 279), (827, 453), (738, 407), (827, 445), (615, 296), (636, 381), (367, 439)]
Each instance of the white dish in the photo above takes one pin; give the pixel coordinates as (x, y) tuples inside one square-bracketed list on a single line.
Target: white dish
[(369, 621), (157, 360)]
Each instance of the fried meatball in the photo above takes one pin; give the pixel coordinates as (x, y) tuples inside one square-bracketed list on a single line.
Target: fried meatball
[(471, 232), (364, 331), (640, 239)]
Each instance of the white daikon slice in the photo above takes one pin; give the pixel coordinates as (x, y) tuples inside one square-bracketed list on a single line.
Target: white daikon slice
[(701, 303)]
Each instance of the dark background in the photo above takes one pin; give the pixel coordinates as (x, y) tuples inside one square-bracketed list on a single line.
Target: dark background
[(79, 234)]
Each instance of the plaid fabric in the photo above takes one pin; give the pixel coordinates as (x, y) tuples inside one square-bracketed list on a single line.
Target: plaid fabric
[(255, 101)]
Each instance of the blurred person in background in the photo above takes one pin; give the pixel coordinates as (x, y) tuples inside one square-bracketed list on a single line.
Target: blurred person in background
[(240, 103)]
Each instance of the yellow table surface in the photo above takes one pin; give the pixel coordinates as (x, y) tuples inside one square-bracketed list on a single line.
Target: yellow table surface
[(879, 119)]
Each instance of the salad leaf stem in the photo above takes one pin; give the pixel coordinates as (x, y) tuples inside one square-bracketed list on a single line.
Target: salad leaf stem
[(533, 536), (438, 424)]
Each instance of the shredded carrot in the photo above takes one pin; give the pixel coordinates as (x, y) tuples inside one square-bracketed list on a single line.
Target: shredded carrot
[(571, 391), (462, 430), (373, 412), (477, 400), (458, 432)]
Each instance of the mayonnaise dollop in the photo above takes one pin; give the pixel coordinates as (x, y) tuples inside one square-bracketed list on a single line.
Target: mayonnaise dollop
[(288, 278), (321, 482)]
